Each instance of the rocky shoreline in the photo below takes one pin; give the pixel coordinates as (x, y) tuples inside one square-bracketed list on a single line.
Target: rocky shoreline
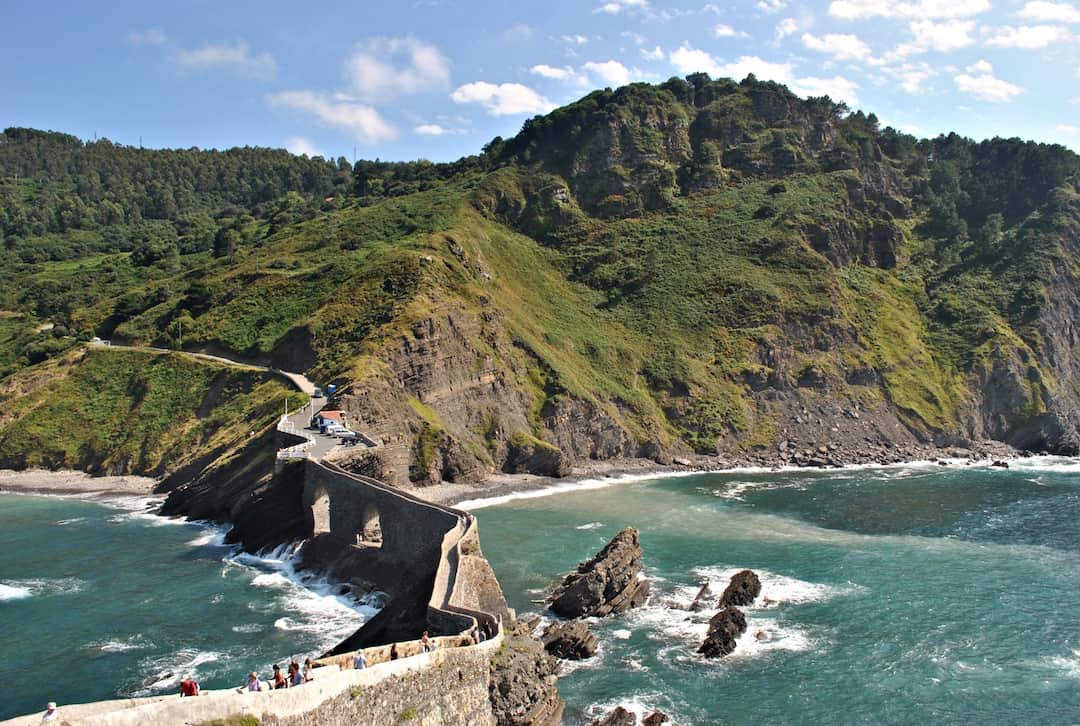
[(69, 483), (787, 455)]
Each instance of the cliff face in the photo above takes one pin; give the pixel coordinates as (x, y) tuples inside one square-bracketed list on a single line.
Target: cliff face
[(700, 266)]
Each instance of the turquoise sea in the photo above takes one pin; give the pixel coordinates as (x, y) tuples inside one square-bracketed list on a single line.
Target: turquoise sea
[(103, 600), (902, 595), (910, 595)]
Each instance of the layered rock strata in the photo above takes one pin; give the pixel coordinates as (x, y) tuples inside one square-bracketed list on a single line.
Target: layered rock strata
[(608, 583)]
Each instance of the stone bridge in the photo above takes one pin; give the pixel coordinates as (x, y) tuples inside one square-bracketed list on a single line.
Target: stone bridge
[(425, 556)]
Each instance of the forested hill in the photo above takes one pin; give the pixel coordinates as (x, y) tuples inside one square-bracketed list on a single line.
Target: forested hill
[(700, 265)]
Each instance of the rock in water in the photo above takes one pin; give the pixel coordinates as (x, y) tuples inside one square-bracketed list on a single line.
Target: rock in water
[(619, 717), (702, 597), (655, 719), (571, 640), (724, 628), (608, 583), (741, 591)]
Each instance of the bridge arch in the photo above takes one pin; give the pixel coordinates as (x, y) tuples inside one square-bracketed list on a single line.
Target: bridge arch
[(320, 512), (370, 525)]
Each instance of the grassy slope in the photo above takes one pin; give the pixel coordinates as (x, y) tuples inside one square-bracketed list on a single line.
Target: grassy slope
[(123, 411)]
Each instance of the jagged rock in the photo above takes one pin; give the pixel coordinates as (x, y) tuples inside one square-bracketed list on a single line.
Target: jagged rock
[(702, 597), (619, 717), (724, 628), (608, 583), (742, 590), (570, 639), (523, 678)]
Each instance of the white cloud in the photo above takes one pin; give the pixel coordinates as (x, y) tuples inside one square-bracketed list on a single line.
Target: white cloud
[(372, 74), (691, 60), (726, 31), (611, 72), (980, 82), (436, 130), (638, 38), (502, 99), (614, 7), (1050, 12), (1027, 36), (150, 36), (655, 54), (301, 147), (564, 73), (771, 6), (520, 34), (837, 88), (912, 75), (863, 9), (577, 39), (363, 121), (235, 59), (786, 27), (1068, 128), (942, 37), (841, 47)]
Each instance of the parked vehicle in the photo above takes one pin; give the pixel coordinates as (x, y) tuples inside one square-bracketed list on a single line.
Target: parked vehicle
[(318, 393)]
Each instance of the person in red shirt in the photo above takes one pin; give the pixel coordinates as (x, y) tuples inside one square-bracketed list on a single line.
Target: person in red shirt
[(188, 686)]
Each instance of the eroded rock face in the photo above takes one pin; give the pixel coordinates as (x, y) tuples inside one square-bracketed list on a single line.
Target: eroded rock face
[(724, 628), (570, 639), (523, 683), (742, 590), (608, 583)]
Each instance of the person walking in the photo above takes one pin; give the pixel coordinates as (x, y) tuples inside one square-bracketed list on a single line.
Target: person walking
[(51, 714), (309, 670), (359, 662)]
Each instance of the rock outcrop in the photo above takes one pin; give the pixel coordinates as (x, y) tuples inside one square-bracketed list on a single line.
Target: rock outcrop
[(621, 717), (701, 599), (724, 629), (570, 639), (523, 683), (608, 583), (741, 591)]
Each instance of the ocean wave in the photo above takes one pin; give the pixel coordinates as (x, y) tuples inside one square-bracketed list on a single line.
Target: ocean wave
[(166, 671), (776, 589), (66, 522), (21, 589), (135, 642), (570, 487), (314, 605), (13, 592), (640, 704), (248, 628), (590, 525)]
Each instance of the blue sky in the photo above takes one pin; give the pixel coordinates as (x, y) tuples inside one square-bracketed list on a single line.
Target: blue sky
[(437, 79)]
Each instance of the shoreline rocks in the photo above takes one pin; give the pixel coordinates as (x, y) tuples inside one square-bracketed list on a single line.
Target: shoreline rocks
[(570, 640), (724, 629), (607, 584), (741, 591)]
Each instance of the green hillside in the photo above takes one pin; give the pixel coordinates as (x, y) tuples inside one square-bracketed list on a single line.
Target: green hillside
[(698, 265)]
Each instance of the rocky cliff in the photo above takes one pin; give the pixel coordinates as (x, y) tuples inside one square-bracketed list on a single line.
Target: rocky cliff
[(700, 266)]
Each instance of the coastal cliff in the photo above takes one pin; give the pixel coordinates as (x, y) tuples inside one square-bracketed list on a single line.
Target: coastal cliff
[(697, 268)]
